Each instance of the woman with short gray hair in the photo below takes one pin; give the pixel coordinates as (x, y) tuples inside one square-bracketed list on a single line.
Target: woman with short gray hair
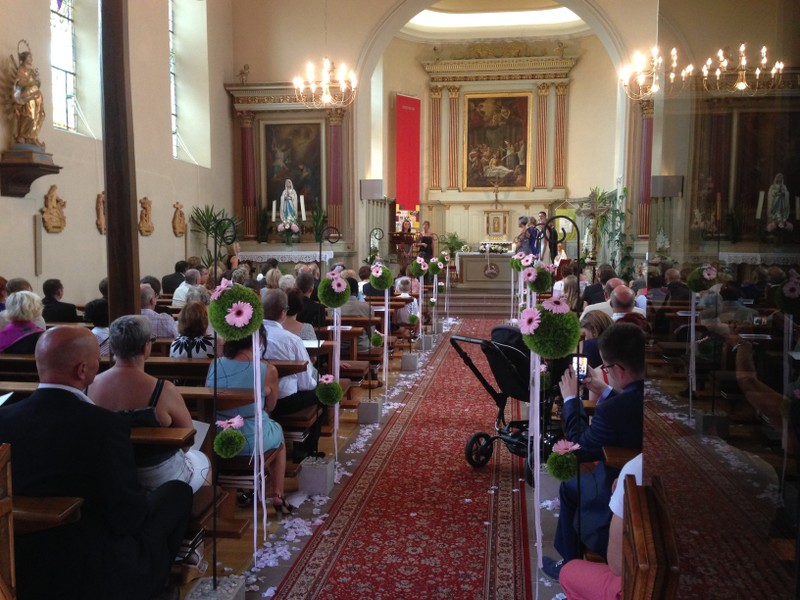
[(147, 402), (21, 333)]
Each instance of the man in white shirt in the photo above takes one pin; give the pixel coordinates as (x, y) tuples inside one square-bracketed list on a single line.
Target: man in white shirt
[(610, 288), (192, 279), (163, 325), (295, 392)]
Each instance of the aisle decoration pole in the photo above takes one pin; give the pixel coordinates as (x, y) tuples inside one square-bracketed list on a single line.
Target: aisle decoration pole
[(434, 268), (235, 312), (698, 280), (334, 292), (445, 258), (417, 269), (381, 278)]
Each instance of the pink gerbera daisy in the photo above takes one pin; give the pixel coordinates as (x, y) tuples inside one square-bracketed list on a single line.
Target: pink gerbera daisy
[(225, 284), (550, 268), (565, 447), (326, 379), (423, 266), (519, 255), (338, 285), (420, 260), (239, 314), (527, 261), (377, 270), (556, 306), (529, 275), (529, 320), (440, 265), (709, 273), (792, 289)]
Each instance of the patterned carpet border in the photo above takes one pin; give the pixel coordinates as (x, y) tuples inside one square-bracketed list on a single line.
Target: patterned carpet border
[(505, 557)]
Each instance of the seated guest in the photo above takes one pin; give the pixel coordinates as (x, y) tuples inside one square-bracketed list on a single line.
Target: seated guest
[(571, 293), (96, 313), (586, 579), (21, 333), (295, 392), (618, 421), (304, 331), (17, 284), (192, 278), (286, 283), (147, 402), (170, 283), (313, 312), (56, 311), (163, 325), (273, 278), (193, 341), (124, 543), (558, 286), (357, 308), (595, 292), (403, 287), (235, 370), (154, 283), (198, 293)]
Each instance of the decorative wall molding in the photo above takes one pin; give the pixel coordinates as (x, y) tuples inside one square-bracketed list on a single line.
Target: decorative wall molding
[(499, 69)]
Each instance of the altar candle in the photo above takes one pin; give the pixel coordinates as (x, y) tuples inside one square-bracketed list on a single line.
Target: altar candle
[(719, 202), (302, 207), (273, 211), (760, 204)]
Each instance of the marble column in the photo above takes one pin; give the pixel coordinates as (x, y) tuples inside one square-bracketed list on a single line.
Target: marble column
[(249, 207), (436, 136), (452, 139), (335, 173), (561, 135), (645, 168), (541, 135)]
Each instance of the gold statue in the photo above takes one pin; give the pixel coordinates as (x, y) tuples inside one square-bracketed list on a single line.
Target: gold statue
[(100, 209), (53, 212), (178, 220), (145, 216), (28, 100)]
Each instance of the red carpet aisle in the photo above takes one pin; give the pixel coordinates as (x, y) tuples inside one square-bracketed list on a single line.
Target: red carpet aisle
[(722, 530), (416, 520)]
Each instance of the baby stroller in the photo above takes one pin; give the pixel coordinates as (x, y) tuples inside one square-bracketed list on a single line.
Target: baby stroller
[(509, 361)]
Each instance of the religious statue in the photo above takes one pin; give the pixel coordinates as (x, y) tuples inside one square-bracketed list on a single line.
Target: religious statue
[(243, 73), (145, 216), (100, 209), (53, 212), (27, 99), (178, 220), (289, 203), (778, 196)]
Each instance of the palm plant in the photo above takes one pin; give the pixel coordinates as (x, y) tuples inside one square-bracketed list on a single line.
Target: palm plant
[(204, 221)]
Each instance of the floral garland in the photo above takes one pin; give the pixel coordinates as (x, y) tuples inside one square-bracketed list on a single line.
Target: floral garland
[(235, 311), (230, 441), (381, 277), (550, 329), (538, 278), (562, 462), (701, 278), (787, 296), (418, 268), (329, 392), (333, 291)]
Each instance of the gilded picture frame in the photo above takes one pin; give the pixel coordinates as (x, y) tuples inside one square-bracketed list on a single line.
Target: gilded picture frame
[(497, 225), (293, 149), (497, 141)]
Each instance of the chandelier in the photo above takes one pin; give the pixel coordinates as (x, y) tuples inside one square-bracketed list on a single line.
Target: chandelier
[(642, 77), (741, 78), (336, 88)]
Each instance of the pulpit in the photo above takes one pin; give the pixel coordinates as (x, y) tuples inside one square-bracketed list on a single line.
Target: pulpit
[(403, 245)]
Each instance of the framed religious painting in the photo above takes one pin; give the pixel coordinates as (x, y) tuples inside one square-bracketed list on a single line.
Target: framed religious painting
[(497, 140), (497, 225), (292, 151)]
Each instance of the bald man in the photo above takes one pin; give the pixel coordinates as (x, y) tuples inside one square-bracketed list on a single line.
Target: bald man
[(63, 445), (606, 307)]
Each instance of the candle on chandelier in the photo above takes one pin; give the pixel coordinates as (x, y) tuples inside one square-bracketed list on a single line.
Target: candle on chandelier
[(273, 211), (303, 207)]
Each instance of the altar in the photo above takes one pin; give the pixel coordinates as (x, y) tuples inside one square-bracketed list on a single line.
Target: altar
[(483, 270), (286, 256)]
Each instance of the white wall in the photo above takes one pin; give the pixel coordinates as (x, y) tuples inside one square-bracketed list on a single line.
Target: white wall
[(77, 256)]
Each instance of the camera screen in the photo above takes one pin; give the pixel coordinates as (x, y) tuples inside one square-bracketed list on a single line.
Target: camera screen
[(579, 365)]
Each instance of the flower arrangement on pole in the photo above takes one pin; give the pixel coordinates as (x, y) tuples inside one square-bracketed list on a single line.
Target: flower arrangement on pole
[(787, 296), (230, 441), (380, 277), (550, 329), (563, 462), (333, 291), (702, 278), (537, 277), (329, 392), (418, 267), (235, 312)]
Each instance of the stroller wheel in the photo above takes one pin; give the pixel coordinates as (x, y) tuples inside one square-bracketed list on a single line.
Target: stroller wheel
[(479, 449)]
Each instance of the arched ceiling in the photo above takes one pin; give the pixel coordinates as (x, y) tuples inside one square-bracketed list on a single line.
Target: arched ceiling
[(452, 21)]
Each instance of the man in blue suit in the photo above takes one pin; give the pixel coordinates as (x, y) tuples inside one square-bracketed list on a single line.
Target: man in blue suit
[(617, 421)]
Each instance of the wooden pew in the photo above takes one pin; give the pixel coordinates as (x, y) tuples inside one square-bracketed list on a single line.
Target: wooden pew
[(615, 456), (650, 567)]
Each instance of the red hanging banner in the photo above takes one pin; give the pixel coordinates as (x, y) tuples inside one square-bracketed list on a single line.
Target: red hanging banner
[(407, 127)]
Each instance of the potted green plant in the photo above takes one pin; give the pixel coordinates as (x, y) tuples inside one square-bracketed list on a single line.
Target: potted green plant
[(453, 242), (318, 221), (204, 220)]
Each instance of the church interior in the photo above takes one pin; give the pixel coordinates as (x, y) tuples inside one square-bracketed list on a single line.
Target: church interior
[(655, 136)]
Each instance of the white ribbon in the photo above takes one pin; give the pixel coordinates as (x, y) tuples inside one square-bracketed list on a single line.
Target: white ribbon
[(534, 441), (259, 477), (386, 345)]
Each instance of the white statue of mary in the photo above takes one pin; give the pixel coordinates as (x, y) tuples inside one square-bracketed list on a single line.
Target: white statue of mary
[(289, 203)]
